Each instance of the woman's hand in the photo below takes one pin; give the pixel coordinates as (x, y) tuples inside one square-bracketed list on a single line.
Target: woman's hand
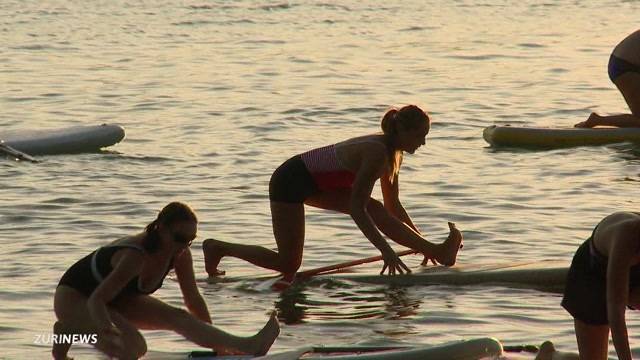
[(427, 258), (393, 263), (111, 340)]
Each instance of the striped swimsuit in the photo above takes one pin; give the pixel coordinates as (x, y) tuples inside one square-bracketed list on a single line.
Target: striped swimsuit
[(307, 174), (326, 170)]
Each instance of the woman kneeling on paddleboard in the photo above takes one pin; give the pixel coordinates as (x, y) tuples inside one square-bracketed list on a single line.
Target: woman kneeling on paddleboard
[(341, 177), (107, 293), (624, 72), (603, 279)]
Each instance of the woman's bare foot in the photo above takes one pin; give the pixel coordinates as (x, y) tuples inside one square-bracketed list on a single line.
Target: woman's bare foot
[(592, 121), (448, 250), (60, 350), (546, 351), (549, 352), (265, 338), (212, 249)]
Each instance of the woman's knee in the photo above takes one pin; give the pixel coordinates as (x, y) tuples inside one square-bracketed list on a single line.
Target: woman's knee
[(212, 246), (629, 86)]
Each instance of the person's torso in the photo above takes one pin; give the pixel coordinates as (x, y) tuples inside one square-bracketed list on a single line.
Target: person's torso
[(150, 278), (608, 229), (335, 166)]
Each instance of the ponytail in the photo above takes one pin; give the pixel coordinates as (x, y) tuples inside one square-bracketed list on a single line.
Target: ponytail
[(388, 123), (151, 242)]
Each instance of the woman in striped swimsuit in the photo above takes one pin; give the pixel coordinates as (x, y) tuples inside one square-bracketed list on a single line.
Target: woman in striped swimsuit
[(341, 177)]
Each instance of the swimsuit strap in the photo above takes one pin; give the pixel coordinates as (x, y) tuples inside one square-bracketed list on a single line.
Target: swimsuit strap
[(595, 253), (94, 258)]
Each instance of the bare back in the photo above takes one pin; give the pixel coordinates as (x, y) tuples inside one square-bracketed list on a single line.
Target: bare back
[(351, 151), (618, 226)]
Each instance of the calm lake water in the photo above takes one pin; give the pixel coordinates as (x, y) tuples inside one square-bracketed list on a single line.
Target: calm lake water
[(214, 95)]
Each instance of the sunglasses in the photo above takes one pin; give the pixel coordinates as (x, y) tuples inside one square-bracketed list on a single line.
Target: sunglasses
[(183, 239)]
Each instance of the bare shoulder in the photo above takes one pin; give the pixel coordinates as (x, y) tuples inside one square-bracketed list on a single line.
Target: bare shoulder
[(368, 144), (364, 149), (630, 223), (135, 239), (132, 253), (619, 226)]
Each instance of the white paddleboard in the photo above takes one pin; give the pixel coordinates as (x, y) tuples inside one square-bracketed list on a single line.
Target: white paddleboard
[(537, 137), (543, 275), (67, 140), (460, 350), (540, 275)]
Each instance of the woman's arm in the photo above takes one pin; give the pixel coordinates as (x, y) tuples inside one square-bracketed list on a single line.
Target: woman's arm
[(128, 266), (624, 247), (183, 266), (373, 161), (391, 197)]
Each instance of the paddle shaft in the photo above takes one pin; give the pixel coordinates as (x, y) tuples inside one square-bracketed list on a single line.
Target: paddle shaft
[(325, 269), (16, 153), (520, 348)]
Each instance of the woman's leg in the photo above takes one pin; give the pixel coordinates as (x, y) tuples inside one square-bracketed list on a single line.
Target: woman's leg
[(391, 226), (149, 313), (629, 86), (73, 318), (593, 340), (288, 229)]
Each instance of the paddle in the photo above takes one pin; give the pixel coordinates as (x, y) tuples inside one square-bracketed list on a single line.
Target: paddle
[(520, 348), (16, 153), (546, 351), (331, 268)]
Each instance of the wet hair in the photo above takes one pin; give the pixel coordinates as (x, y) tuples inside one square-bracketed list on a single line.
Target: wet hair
[(174, 212), (409, 117)]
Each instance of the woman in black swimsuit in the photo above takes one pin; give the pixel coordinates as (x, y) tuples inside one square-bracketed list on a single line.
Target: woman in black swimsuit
[(624, 72), (604, 278), (107, 294)]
